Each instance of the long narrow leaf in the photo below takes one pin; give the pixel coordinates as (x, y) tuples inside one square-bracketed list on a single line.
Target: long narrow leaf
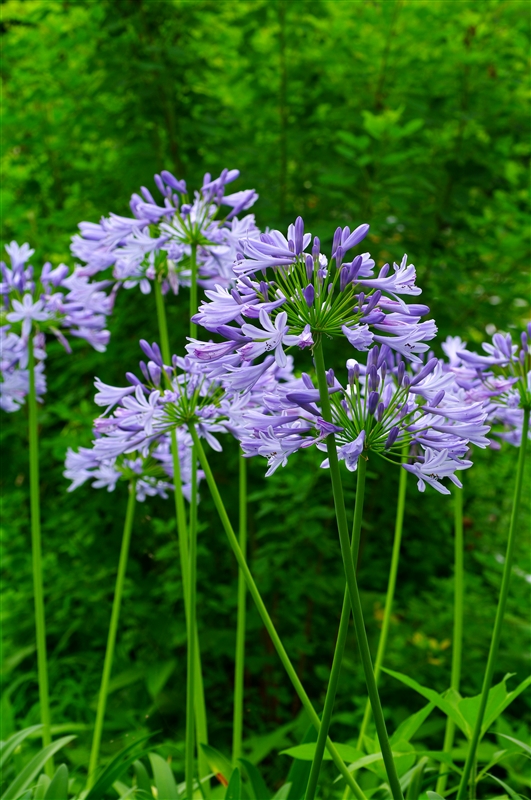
[(7, 747), (407, 729), (234, 789), (58, 788), (299, 773), (525, 747), (507, 788), (119, 764), (24, 778), (259, 789), (164, 780)]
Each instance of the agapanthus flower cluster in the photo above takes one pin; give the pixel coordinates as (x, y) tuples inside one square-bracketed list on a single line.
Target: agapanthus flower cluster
[(288, 293), (56, 302), (501, 379), (156, 242), (382, 408), (151, 472)]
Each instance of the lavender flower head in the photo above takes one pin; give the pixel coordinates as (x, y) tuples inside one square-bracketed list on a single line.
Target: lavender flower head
[(150, 473), (501, 379), (288, 294), (156, 242), (381, 409), (55, 302)]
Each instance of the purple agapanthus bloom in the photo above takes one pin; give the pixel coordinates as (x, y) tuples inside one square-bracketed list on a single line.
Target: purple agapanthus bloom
[(501, 379), (150, 473), (55, 302), (156, 243), (298, 295), (383, 408)]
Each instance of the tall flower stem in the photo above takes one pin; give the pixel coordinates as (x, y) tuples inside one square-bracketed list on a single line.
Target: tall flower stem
[(341, 640), (391, 585), (240, 625), (111, 637), (266, 619), (500, 613), (36, 552), (182, 532), (190, 668), (457, 641), (350, 574)]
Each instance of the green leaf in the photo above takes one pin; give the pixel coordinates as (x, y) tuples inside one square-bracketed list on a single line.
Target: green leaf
[(259, 790), (415, 785), (447, 704), (58, 788), (142, 777), (6, 748), (158, 676), (42, 785), (115, 768), (283, 792), (407, 729), (523, 745), (497, 703), (164, 780), (24, 778), (258, 747), (507, 788), (306, 752), (234, 789), (434, 796), (299, 772), (217, 762)]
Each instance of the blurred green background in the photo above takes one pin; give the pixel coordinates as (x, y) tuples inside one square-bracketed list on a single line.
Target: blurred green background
[(412, 115)]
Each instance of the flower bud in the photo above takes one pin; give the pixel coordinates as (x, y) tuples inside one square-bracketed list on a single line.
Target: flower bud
[(309, 295), (330, 377), (373, 402), (309, 267), (391, 439), (316, 249)]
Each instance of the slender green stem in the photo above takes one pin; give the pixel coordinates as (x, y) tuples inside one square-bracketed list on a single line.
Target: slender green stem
[(341, 640), (36, 553), (350, 574), (240, 627), (391, 585), (193, 291), (266, 619), (111, 637), (189, 769), (500, 613), (457, 642), (180, 514)]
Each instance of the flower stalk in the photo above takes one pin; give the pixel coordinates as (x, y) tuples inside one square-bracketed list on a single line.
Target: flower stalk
[(36, 550), (500, 613), (341, 640), (457, 642), (190, 669), (350, 573), (182, 532), (111, 637), (240, 625), (391, 585), (266, 619)]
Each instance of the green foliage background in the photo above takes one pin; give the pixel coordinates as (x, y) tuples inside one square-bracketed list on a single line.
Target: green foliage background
[(412, 115)]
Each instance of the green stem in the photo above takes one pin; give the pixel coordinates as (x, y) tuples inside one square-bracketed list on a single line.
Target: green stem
[(111, 637), (240, 629), (193, 291), (350, 574), (180, 514), (341, 640), (500, 613), (457, 643), (391, 585), (189, 761), (36, 553), (266, 619)]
